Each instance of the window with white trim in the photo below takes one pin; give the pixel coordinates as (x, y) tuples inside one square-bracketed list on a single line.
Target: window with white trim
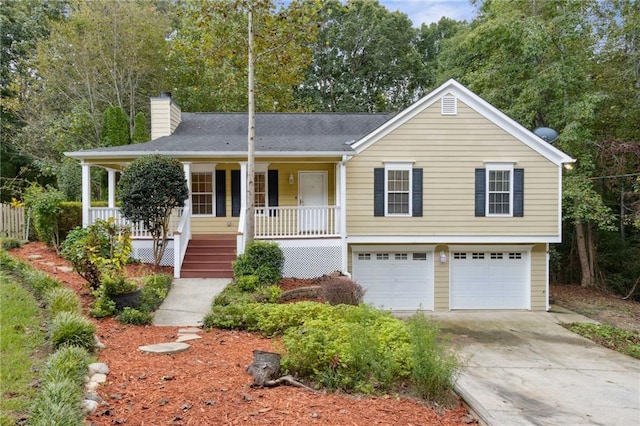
[(499, 189), (202, 193), (260, 189), (398, 189)]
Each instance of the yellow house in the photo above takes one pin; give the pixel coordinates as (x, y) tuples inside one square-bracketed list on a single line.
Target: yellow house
[(448, 205)]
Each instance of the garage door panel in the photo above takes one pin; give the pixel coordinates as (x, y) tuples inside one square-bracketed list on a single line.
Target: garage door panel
[(489, 280), (395, 280)]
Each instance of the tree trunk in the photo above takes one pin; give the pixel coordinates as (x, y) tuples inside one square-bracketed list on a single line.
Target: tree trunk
[(265, 367), (583, 254), (250, 212)]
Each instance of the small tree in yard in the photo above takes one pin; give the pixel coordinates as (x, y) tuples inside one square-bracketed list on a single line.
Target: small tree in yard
[(150, 187)]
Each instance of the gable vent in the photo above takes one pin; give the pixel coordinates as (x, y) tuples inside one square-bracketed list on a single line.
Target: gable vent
[(449, 105)]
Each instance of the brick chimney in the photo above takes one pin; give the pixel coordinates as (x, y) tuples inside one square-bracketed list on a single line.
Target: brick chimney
[(165, 115)]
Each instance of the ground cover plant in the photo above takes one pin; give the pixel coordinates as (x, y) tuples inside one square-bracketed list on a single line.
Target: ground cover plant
[(624, 341)]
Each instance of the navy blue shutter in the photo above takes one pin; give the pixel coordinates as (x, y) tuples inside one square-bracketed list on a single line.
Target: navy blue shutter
[(272, 186), (235, 193), (481, 191), (518, 192), (416, 193), (378, 191), (221, 195)]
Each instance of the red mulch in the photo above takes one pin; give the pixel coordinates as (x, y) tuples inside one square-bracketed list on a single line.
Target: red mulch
[(208, 384)]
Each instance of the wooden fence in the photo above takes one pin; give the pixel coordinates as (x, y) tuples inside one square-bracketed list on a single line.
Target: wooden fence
[(12, 222)]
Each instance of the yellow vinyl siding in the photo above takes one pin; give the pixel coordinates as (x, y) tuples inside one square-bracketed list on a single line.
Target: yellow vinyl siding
[(539, 273), (441, 280), (449, 149)]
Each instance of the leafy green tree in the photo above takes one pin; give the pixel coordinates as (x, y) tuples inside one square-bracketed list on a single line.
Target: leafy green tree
[(140, 131), (365, 59), (207, 59), (150, 188), (115, 127)]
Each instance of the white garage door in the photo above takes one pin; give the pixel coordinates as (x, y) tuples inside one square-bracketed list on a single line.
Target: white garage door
[(489, 280), (396, 280)]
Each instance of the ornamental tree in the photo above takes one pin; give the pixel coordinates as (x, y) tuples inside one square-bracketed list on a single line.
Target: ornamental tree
[(150, 188)]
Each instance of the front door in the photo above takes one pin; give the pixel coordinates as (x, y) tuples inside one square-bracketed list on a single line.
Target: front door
[(312, 200)]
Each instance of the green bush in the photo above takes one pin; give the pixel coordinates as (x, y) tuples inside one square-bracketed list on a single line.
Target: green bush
[(134, 316), (247, 282), (45, 211), (263, 259), (38, 281), (233, 295), (434, 369), (62, 299), (70, 217), (9, 243), (70, 329), (102, 306), (268, 294), (100, 246), (68, 362), (154, 290), (114, 283), (341, 290), (58, 404)]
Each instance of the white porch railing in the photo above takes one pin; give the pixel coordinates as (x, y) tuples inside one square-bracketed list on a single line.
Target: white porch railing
[(181, 238), (137, 229), (297, 222)]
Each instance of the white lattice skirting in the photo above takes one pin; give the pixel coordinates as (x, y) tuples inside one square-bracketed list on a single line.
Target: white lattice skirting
[(143, 251), (310, 258)]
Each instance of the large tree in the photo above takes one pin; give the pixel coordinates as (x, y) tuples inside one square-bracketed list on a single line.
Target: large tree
[(208, 53), (365, 59)]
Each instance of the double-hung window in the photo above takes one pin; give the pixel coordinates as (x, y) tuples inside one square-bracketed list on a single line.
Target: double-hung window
[(499, 190), (202, 193), (260, 191), (398, 189)]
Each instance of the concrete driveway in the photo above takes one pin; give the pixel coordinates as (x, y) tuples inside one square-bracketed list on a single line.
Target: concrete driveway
[(523, 368)]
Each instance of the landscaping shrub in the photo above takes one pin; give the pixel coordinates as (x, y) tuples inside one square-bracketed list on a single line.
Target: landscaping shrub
[(102, 307), (154, 291), (233, 295), (341, 290), (71, 329), (8, 243), (58, 404), (69, 218), (134, 316), (102, 245), (62, 299), (68, 362), (434, 368), (247, 282), (267, 294), (45, 211), (263, 259), (38, 281)]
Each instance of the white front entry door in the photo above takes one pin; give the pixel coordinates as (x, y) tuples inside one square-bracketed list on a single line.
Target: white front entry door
[(312, 192)]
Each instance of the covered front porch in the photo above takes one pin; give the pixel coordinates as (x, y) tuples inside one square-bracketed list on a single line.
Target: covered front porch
[(298, 204)]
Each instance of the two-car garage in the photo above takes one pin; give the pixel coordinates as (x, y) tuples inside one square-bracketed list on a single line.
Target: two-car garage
[(402, 278)]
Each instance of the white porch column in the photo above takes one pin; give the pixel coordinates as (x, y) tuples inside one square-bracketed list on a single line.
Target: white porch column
[(86, 192), (243, 186), (186, 166), (111, 179), (341, 194)]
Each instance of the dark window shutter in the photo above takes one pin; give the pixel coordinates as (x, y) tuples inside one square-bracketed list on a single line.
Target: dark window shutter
[(378, 191), (481, 191), (235, 193), (272, 187), (416, 193), (518, 192), (221, 196)]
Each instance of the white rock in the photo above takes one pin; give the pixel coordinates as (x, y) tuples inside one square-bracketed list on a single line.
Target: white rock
[(98, 343), (98, 367), (89, 406), (91, 386), (99, 378), (187, 337), (93, 396)]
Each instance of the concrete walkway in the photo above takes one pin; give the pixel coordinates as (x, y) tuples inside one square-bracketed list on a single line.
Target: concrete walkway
[(523, 368), (188, 301)]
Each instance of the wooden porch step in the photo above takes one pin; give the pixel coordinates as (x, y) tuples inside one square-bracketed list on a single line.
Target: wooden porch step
[(209, 256)]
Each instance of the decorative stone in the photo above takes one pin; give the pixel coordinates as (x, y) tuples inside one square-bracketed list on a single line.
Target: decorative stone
[(91, 386), (189, 330), (93, 396), (98, 367), (187, 337), (98, 343), (99, 378), (89, 406), (165, 348), (64, 268), (34, 257)]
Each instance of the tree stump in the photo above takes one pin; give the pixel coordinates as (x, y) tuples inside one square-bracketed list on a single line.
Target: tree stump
[(265, 367)]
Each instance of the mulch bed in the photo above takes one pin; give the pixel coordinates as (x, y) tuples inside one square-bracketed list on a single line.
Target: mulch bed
[(208, 384)]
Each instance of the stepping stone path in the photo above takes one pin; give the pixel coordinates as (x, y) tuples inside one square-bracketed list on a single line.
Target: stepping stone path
[(184, 335)]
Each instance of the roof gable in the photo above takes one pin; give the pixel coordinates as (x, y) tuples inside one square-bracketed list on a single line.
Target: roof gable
[(452, 87)]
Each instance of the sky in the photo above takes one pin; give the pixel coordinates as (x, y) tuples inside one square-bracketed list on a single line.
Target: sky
[(428, 11)]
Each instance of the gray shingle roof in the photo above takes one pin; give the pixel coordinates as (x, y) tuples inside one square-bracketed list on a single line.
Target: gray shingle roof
[(275, 132)]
